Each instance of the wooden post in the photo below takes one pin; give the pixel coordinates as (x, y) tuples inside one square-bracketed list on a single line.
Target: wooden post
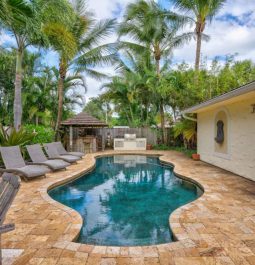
[(102, 131), (71, 137)]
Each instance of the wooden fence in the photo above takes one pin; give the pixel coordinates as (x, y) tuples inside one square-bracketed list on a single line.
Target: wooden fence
[(148, 133), (96, 139)]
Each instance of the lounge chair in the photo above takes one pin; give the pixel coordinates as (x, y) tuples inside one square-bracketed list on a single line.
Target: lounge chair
[(9, 186), (62, 150), (39, 158), (14, 163), (52, 152)]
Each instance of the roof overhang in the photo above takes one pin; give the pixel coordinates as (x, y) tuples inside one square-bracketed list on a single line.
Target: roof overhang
[(235, 95), (86, 125)]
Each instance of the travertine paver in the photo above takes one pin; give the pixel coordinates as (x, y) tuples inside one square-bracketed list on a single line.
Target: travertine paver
[(218, 228)]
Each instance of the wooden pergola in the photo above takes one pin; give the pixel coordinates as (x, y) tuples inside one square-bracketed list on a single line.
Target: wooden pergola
[(83, 121)]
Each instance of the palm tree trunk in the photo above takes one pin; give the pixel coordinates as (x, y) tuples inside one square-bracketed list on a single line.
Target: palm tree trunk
[(17, 108), (198, 51), (62, 76), (158, 67), (162, 120), (128, 119), (131, 113)]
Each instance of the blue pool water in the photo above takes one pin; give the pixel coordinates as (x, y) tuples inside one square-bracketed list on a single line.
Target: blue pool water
[(126, 200)]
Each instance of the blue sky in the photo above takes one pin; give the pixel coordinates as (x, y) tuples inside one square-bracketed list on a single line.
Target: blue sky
[(232, 32)]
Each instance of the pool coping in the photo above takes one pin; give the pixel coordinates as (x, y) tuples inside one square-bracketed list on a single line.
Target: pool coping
[(180, 239)]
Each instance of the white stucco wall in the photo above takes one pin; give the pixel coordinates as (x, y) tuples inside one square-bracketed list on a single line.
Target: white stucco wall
[(240, 157)]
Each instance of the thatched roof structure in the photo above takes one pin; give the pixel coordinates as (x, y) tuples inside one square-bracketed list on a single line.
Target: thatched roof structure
[(83, 119)]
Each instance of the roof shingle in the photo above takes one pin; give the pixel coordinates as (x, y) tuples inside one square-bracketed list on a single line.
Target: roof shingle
[(84, 119)]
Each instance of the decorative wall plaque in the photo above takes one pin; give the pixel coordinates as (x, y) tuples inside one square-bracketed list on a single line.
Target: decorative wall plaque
[(220, 132)]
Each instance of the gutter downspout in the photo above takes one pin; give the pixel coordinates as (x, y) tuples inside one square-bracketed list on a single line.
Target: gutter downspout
[(184, 115)]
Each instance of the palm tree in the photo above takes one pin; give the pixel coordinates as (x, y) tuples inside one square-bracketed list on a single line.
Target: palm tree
[(128, 90), (155, 30), (40, 95), (203, 11), (83, 51), (16, 17), (25, 21)]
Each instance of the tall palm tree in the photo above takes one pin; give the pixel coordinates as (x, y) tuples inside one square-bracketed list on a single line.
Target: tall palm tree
[(16, 17), (202, 11), (25, 21), (155, 30), (83, 52)]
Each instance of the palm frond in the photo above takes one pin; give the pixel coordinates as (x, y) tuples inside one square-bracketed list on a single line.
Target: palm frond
[(98, 32), (62, 39)]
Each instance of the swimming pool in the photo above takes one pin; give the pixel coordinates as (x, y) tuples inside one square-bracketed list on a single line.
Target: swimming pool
[(126, 200)]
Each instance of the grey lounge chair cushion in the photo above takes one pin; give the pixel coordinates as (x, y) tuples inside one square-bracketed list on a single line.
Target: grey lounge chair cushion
[(14, 162), (31, 171), (62, 150), (79, 154), (37, 156), (69, 158), (56, 164), (52, 152)]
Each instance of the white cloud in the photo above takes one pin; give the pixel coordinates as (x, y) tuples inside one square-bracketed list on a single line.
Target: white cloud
[(238, 7), (108, 8), (6, 39)]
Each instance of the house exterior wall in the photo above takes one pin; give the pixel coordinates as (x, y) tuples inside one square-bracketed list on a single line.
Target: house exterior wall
[(237, 154)]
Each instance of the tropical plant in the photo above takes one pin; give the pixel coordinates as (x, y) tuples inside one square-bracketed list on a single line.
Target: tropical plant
[(42, 134), (17, 17), (202, 11), (153, 30), (7, 71), (99, 108), (12, 137), (188, 130), (84, 51), (129, 92), (28, 21)]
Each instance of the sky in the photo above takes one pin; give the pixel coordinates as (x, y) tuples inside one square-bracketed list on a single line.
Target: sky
[(231, 32)]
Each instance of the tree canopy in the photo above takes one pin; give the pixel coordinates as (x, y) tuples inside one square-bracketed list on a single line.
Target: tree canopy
[(146, 90)]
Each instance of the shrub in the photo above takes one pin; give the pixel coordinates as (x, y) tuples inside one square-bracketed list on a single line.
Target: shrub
[(187, 152), (43, 134), (11, 137), (161, 147)]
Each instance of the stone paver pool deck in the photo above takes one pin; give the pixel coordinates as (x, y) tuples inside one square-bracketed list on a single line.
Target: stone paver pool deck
[(218, 228)]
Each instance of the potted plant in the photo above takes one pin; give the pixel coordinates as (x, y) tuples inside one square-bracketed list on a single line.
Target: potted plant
[(196, 157), (149, 146)]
